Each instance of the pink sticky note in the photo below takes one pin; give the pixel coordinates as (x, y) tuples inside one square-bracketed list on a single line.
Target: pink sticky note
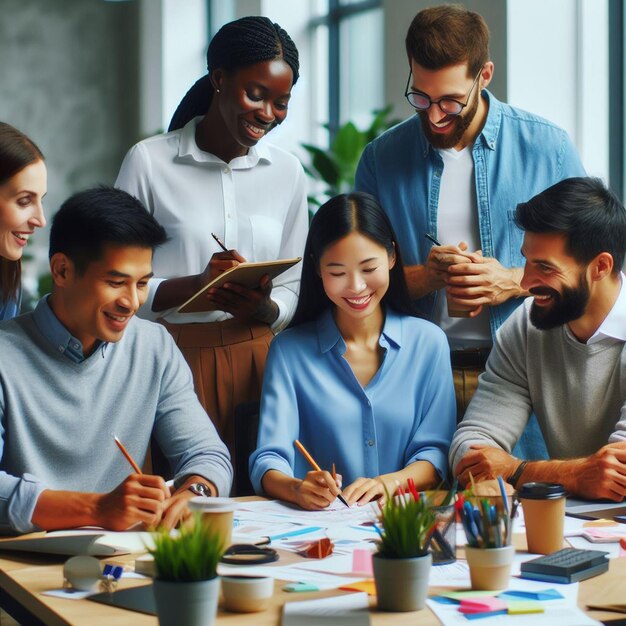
[(362, 562), (482, 605)]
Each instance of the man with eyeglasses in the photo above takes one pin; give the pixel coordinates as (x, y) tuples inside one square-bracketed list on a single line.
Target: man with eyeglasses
[(455, 172)]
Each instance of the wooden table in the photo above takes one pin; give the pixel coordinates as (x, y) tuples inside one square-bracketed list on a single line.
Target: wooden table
[(23, 579)]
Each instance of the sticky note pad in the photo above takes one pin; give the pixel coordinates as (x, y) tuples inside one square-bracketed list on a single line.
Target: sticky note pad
[(482, 605), (543, 595), (300, 587), (599, 523), (518, 607), (482, 615), (364, 585), (362, 562)]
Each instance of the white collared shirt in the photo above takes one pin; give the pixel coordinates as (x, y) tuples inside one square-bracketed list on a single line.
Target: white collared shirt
[(255, 204), (614, 324)]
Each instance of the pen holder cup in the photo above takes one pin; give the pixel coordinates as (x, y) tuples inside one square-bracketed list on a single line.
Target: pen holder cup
[(490, 568), (443, 542), (497, 501)]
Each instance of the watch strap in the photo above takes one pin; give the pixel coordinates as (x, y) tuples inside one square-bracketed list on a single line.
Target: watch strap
[(517, 473)]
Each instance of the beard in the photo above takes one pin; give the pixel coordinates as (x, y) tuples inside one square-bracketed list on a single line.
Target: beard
[(460, 123), (566, 306)]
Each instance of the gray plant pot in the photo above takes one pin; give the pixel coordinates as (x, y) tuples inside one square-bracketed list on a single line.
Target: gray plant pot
[(191, 604), (402, 584)]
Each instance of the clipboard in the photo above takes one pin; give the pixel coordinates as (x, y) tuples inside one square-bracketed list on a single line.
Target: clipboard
[(246, 274)]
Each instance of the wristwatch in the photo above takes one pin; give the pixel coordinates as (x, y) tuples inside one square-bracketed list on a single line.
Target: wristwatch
[(517, 474), (200, 489)]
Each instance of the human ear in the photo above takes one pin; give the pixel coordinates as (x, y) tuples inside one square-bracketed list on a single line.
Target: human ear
[(601, 266), (217, 79), (392, 256), (61, 269), (486, 74)]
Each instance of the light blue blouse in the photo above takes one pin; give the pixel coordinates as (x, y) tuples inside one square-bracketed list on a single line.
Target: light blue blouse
[(406, 413)]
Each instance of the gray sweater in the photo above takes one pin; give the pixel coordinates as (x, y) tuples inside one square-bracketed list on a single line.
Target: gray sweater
[(577, 391), (58, 416)]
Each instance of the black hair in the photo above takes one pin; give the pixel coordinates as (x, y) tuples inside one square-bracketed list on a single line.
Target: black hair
[(17, 151), (589, 214), (356, 212), (238, 44), (91, 219)]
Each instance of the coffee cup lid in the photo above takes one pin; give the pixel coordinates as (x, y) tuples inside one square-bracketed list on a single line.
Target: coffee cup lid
[(211, 505), (541, 491)]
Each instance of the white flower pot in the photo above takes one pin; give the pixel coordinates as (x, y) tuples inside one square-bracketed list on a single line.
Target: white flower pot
[(188, 603), (402, 584)]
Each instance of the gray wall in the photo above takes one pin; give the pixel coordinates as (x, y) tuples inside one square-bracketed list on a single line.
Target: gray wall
[(68, 79)]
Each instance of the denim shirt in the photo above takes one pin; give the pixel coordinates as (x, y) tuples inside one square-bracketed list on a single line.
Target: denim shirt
[(516, 155)]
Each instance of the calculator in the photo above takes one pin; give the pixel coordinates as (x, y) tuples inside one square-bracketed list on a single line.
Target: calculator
[(566, 566)]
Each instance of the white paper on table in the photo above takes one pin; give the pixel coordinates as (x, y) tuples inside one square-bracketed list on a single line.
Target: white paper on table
[(351, 609)]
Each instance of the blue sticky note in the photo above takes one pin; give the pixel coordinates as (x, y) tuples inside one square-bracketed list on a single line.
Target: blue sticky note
[(300, 587), (443, 600), (483, 615), (542, 595)]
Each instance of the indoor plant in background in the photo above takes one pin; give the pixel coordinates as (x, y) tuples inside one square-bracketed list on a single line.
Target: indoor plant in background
[(336, 165), (402, 563), (186, 585)]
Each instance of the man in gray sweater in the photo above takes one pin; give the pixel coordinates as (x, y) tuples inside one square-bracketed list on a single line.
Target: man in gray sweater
[(80, 369), (562, 354)]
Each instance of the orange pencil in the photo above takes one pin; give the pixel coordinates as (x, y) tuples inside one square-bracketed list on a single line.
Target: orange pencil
[(315, 466), (129, 458)]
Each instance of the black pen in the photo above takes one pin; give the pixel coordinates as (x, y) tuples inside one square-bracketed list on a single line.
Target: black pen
[(429, 237), (219, 242)]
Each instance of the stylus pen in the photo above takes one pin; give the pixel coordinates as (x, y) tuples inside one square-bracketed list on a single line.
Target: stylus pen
[(314, 465), (431, 238), (220, 243)]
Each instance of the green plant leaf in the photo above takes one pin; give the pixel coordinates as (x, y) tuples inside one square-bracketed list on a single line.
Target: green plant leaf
[(348, 144), (324, 165)]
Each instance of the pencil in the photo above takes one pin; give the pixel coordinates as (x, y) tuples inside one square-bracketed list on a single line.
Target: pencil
[(129, 458), (220, 243), (314, 465)]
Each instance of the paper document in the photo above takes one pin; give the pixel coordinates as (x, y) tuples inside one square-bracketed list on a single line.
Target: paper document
[(348, 610)]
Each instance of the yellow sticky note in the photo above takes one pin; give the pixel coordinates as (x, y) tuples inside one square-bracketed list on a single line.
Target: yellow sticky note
[(365, 585), (600, 523), (517, 607)]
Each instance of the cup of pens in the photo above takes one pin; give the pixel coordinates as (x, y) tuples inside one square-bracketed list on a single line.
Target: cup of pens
[(489, 530), (443, 540)]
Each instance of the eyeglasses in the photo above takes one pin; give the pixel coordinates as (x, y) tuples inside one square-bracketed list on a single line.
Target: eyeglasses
[(449, 106)]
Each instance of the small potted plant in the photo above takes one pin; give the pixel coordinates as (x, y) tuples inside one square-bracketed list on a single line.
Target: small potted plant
[(402, 563), (186, 585)]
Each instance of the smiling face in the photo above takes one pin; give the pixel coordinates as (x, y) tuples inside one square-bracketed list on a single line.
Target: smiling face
[(448, 131), (556, 280), (98, 304), (253, 100), (355, 275), (21, 208)]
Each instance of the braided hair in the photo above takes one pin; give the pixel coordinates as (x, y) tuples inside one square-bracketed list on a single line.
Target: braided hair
[(241, 43), (17, 151)]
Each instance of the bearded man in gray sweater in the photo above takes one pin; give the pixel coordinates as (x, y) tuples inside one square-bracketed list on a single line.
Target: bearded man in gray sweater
[(562, 354), (81, 369)]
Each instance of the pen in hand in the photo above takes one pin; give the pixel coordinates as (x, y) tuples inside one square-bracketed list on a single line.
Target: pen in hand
[(314, 465), (126, 453), (428, 236), (220, 243)]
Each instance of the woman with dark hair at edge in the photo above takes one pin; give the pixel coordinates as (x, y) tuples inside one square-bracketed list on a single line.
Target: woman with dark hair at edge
[(357, 378), (208, 175), (23, 184)]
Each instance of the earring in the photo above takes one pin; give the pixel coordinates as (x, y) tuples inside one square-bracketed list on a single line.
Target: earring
[(217, 91)]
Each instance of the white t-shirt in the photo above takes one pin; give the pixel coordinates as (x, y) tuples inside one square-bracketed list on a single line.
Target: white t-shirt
[(255, 204), (457, 220)]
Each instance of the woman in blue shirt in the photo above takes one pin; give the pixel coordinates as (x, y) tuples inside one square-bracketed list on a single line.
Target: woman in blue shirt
[(23, 183), (359, 380)]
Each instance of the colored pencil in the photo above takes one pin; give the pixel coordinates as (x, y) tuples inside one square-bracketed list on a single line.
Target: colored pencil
[(129, 458)]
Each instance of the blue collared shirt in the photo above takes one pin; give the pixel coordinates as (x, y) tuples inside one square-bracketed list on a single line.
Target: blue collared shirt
[(406, 413), (516, 155), (61, 339)]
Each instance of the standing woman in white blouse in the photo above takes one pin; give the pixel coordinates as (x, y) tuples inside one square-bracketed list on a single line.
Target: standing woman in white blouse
[(208, 175)]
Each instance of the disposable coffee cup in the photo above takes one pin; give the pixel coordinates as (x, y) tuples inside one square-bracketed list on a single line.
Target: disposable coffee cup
[(544, 516), (457, 310), (490, 568), (217, 515), (247, 594)]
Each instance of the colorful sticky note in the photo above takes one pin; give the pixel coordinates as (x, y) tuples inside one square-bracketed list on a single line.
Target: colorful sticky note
[(300, 587), (542, 595), (482, 605), (519, 607), (460, 595), (362, 562), (482, 615), (599, 523), (367, 586)]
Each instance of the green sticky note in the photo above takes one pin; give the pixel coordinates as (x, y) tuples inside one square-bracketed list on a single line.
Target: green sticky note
[(300, 587), (517, 607)]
